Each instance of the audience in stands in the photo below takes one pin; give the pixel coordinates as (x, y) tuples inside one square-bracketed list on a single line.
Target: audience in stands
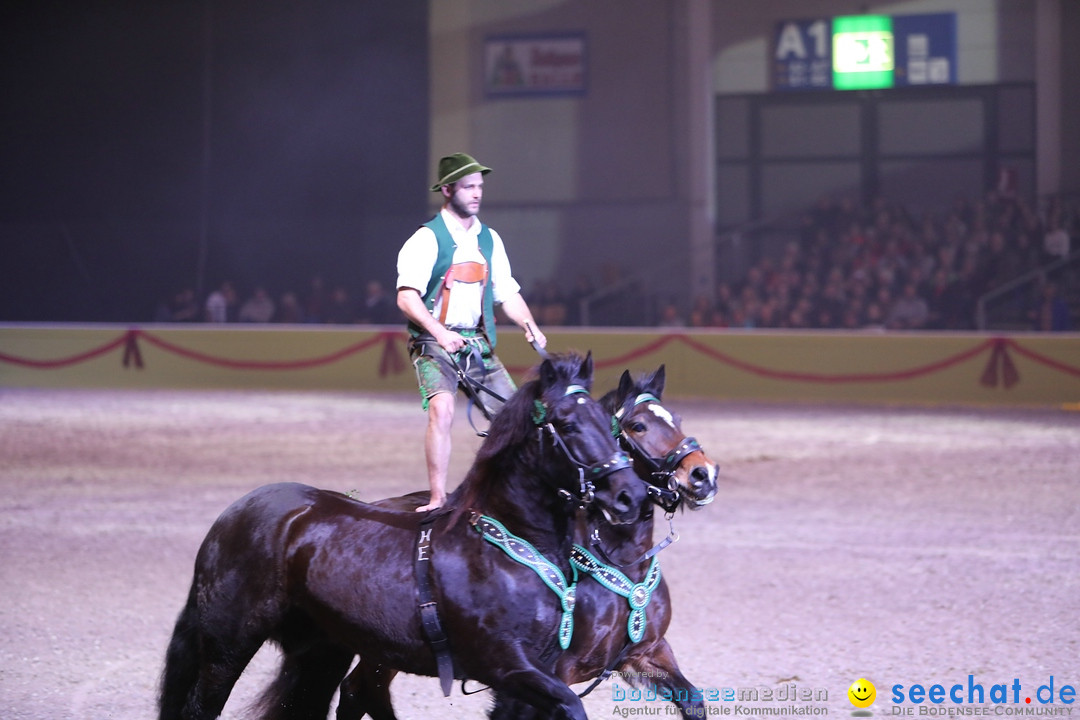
[(880, 267), (851, 267), (220, 304), (341, 309), (1051, 313), (182, 307), (289, 310), (258, 308), (378, 308), (315, 301), (338, 307)]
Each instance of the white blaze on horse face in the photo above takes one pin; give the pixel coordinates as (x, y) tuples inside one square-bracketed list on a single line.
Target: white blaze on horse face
[(661, 412)]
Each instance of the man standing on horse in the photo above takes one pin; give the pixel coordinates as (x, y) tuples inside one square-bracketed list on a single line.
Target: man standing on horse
[(451, 274)]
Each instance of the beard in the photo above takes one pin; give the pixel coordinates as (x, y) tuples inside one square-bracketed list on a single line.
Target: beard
[(460, 207)]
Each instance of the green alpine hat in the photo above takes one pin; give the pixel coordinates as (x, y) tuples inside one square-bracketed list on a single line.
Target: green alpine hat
[(454, 167)]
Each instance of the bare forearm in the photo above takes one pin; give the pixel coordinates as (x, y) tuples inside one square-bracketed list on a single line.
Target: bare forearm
[(410, 303), (517, 310)]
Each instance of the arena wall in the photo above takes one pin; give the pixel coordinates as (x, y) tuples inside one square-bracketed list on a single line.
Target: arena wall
[(869, 367)]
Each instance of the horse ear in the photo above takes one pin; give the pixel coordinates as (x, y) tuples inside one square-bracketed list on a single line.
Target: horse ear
[(656, 382), (585, 372), (626, 383), (548, 375)]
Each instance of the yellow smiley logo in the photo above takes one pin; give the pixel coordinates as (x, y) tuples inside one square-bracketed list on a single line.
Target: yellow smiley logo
[(862, 693)]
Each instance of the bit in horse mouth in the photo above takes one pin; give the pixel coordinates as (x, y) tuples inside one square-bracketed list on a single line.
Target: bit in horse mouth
[(702, 502), (613, 521)]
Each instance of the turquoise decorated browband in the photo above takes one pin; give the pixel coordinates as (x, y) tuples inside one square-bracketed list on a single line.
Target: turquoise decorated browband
[(539, 415), (642, 398)]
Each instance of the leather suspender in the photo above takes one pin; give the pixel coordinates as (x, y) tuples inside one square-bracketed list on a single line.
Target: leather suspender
[(466, 272)]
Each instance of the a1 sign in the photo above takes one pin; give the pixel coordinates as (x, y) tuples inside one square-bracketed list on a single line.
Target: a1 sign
[(802, 59)]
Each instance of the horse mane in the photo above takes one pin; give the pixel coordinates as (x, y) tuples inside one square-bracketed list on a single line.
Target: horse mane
[(514, 427)]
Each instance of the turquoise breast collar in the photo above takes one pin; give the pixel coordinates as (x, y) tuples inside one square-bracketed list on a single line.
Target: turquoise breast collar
[(522, 551), (637, 594)]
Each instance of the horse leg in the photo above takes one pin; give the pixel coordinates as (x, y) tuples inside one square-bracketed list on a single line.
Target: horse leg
[(366, 690), (221, 665), (660, 667), (200, 671), (181, 664), (305, 683), (505, 708), (546, 693), (211, 658)]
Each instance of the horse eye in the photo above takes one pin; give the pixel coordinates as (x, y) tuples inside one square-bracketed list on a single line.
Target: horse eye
[(570, 427), (637, 427)]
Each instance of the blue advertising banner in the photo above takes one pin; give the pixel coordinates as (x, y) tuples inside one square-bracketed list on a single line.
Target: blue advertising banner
[(925, 49)]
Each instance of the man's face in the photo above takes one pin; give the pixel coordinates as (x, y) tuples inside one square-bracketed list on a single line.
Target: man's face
[(464, 196)]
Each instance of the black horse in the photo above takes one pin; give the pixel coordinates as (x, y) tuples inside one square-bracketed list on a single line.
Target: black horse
[(623, 606), (327, 577), (612, 587)]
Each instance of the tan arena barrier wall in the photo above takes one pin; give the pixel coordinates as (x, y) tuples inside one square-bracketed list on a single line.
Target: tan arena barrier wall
[(870, 367)]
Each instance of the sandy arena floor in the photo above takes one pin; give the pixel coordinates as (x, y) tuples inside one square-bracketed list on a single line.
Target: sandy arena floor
[(901, 545)]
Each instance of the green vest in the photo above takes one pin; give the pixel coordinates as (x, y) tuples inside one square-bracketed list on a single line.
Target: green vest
[(443, 261)]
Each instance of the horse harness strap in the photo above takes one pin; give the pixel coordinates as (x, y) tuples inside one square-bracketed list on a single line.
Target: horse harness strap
[(472, 388), (522, 551), (637, 595), (609, 669), (586, 472), (672, 536), (429, 609), (667, 498)]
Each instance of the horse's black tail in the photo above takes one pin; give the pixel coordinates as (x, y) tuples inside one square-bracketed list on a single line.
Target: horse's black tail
[(305, 684), (181, 663)]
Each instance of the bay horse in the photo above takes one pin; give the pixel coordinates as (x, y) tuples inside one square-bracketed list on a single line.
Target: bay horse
[(604, 640), (327, 577), (678, 472)]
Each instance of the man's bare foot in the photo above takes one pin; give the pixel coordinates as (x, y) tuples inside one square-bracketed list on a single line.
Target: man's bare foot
[(435, 504)]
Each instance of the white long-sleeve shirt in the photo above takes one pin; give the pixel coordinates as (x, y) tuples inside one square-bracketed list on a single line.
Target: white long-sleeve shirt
[(416, 262)]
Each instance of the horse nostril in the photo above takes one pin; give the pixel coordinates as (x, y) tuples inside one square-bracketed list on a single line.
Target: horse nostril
[(623, 501), (700, 476)]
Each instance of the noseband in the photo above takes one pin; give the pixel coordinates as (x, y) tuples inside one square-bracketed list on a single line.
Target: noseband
[(662, 468), (587, 473)]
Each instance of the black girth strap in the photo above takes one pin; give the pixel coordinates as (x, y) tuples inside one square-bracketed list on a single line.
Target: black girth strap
[(429, 610), (608, 670)]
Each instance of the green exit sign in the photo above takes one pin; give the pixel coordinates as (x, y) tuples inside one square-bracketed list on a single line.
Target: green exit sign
[(862, 52)]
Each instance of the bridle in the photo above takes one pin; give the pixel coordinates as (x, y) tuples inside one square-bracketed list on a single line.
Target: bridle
[(587, 473), (664, 491)]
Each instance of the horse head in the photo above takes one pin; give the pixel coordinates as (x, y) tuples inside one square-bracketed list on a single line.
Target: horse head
[(678, 467), (598, 472), (555, 429)]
